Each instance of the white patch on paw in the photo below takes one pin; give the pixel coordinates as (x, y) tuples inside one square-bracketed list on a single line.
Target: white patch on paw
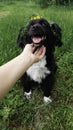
[(28, 95), (47, 99)]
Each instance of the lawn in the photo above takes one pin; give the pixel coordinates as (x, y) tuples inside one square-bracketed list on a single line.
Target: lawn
[(17, 113)]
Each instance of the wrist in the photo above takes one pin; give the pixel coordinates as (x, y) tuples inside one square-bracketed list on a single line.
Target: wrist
[(26, 59)]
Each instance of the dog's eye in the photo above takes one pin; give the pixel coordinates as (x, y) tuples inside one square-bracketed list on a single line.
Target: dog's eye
[(43, 24), (32, 23)]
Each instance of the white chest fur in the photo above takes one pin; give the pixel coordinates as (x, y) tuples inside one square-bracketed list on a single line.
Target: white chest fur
[(38, 71)]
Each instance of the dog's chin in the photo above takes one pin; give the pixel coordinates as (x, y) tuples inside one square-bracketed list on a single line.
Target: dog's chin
[(37, 45)]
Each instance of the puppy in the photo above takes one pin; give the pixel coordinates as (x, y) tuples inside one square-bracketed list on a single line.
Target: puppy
[(40, 32)]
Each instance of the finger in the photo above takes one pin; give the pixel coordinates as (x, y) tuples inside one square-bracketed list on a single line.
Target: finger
[(32, 47), (39, 51), (36, 51)]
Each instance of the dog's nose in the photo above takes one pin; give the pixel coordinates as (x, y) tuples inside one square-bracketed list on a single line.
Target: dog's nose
[(36, 26)]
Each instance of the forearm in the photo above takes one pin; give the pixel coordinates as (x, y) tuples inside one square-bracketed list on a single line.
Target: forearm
[(11, 72), (14, 69)]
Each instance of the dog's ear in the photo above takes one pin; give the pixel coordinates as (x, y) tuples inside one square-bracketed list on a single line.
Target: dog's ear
[(57, 34), (21, 37)]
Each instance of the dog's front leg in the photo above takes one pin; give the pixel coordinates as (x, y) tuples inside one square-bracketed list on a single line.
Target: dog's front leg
[(47, 86)]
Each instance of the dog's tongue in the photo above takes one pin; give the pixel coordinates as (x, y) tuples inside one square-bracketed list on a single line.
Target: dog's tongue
[(36, 39)]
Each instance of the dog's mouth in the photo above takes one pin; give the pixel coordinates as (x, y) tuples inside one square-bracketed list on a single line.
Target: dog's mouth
[(37, 41)]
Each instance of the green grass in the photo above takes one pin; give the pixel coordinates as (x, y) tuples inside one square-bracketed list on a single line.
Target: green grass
[(16, 113)]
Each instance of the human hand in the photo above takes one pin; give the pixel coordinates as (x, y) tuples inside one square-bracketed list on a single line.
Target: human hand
[(32, 54)]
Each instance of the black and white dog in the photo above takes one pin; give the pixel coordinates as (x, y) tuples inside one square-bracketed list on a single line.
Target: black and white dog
[(40, 32)]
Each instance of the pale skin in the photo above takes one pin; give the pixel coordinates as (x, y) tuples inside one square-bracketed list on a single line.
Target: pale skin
[(14, 69)]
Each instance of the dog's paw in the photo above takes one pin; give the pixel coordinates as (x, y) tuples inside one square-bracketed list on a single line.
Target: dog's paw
[(47, 99), (28, 95)]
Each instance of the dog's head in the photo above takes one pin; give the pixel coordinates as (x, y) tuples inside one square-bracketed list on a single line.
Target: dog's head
[(40, 32)]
